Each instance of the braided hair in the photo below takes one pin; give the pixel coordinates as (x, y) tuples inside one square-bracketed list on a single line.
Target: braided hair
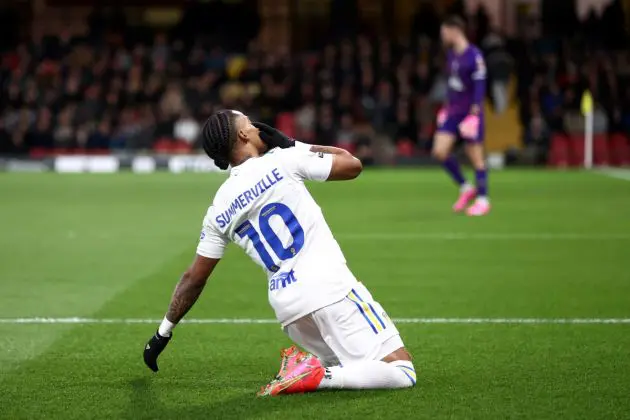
[(219, 136)]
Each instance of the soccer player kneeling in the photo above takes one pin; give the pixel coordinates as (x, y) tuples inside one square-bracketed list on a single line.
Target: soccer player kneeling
[(267, 210)]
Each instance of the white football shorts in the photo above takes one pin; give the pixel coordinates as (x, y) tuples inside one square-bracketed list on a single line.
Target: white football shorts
[(356, 328)]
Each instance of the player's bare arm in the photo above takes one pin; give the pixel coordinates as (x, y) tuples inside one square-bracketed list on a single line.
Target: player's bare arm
[(345, 166), (190, 287), (184, 297)]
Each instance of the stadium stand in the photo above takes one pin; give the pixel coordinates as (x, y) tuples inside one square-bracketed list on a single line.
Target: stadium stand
[(96, 83)]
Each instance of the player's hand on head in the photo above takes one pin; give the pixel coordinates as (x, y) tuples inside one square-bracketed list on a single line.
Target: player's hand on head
[(273, 137), (153, 348)]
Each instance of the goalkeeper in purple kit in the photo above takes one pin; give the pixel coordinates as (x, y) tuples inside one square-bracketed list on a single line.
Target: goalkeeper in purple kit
[(462, 115)]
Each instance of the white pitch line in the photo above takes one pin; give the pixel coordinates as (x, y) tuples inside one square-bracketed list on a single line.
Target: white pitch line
[(622, 174), (435, 236), (236, 321), (486, 236)]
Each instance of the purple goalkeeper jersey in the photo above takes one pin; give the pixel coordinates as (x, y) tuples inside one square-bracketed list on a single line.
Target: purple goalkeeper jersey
[(466, 80)]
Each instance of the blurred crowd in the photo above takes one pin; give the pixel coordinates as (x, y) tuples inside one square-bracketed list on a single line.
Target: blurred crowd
[(111, 93), (553, 76), (68, 93)]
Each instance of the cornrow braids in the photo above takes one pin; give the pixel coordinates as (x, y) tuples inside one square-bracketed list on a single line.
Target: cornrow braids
[(219, 136)]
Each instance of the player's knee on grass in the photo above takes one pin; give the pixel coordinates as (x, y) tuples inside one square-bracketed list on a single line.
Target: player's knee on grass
[(401, 354), (408, 378)]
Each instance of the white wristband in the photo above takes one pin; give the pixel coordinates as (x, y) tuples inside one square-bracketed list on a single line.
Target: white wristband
[(166, 327)]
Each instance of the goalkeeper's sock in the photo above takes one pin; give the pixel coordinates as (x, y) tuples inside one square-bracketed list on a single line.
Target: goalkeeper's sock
[(451, 165), (371, 374), (481, 177)]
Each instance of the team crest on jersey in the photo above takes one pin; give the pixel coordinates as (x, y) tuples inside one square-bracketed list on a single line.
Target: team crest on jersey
[(456, 83)]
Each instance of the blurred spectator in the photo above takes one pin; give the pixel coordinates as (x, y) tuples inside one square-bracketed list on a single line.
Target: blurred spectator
[(40, 136), (305, 119), (63, 134), (553, 107), (5, 140), (91, 107), (600, 120), (187, 128), (160, 51), (346, 135), (327, 133), (537, 131), (422, 78), (17, 144), (383, 115), (499, 64), (172, 102), (99, 138), (404, 126)]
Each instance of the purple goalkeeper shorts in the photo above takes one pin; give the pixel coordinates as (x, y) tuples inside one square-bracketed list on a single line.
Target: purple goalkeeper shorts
[(451, 126)]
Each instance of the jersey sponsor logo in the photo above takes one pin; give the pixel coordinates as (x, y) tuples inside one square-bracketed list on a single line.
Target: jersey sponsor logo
[(243, 199), (455, 83), (282, 280)]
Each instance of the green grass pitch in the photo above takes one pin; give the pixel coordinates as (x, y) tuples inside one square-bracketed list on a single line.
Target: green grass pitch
[(557, 245)]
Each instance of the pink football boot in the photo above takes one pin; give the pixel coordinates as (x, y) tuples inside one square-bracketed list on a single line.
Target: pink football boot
[(465, 197), (480, 207), (291, 357), (303, 377)]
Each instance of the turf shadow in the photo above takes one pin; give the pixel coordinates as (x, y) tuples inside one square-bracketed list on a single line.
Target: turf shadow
[(144, 404)]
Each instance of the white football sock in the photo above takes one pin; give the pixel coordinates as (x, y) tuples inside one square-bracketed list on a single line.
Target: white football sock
[(465, 187), (371, 374)]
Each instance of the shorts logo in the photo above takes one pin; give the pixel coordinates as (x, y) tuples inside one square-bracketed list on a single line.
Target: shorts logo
[(321, 154), (202, 236), (282, 280)]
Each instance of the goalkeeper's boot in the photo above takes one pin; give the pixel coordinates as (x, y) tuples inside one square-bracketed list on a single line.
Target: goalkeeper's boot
[(303, 377), (467, 195), (480, 207)]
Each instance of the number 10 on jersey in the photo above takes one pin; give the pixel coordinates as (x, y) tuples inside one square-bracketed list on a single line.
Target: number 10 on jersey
[(297, 233)]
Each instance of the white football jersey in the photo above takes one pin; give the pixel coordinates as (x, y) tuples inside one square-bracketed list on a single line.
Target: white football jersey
[(266, 209)]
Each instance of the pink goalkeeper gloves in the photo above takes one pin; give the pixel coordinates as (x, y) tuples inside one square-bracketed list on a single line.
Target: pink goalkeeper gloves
[(469, 127), (441, 116)]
